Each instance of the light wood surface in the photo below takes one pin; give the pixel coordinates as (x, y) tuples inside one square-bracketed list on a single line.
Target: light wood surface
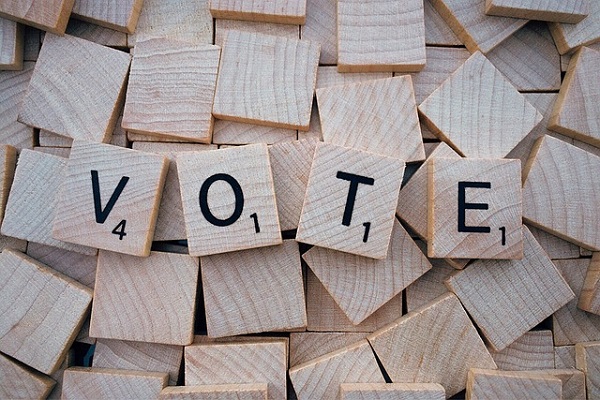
[(88, 94), (222, 26), (570, 36), (437, 31), (11, 45), (564, 357), (565, 59), (114, 208), (56, 151), (534, 350), (19, 382), (8, 162), (555, 247), (249, 391), (115, 14), (556, 199), (265, 284), (239, 133), (573, 381), (321, 378), (282, 72), (537, 286), (13, 87), (490, 384), (49, 139), (378, 116), (248, 223), (392, 391), (306, 346), (478, 112), (95, 33), (80, 267), (329, 76), (278, 11), (587, 356), (321, 27), (171, 90), (165, 283), (435, 343), (589, 299), (569, 11), (48, 15), (238, 363)]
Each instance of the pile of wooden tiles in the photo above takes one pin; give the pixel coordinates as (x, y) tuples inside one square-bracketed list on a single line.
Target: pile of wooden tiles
[(311, 199)]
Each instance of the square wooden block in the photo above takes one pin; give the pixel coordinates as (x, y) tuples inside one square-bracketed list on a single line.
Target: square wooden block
[(223, 26), (110, 197), (96, 33), (568, 11), (376, 35), (321, 27), (246, 391), (488, 383), (267, 80), (532, 351), (87, 93), (11, 45), (121, 15), (155, 105), (350, 201), (570, 36), (81, 267), (48, 15), (306, 346), (424, 391), (228, 199), (19, 382), (33, 300), (278, 11), (165, 283), (474, 209), (13, 87), (587, 357)]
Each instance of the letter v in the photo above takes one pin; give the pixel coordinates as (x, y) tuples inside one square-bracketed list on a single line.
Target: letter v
[(102, 215)]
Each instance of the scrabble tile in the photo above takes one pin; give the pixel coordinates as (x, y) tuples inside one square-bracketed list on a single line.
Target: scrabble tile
[(366, 116), (587, 356), (238, 363), (474, 209), (278, 11), (95, 383), (321, 378), (13, 86), (558, 205), (238, 133), (321, 27), (416, 391), (485, 384), (96, 33), (156, 106), (555, 247), (268, 62), (570, 36), (453, 346), (372, 42), (11, 45), (564, 357), (88, 91), (332, 201), (536, 286), (220, 222), (478, 112), (532, 351), (164, 282), (19, 382), (307, 346), (34, 300), (479, 32), (573, 382), (115, 14), (437, 31), (569, 11), (33, 199), (170, 222), (589, 299), (48, 15), (249, 391), (112, 204), (576, 110), (223, 26), (139, 356), (565, 59), (268, 290), (362, 285), (55, 151), (80, 267), (49, 139), (329, 76), (290, 165)]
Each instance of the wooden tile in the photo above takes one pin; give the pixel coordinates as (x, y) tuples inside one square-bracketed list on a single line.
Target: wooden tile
[(360, 285), (290, 165), (249, 391), (587, 360), (570, 36), (115, 14), (34, 298), (164, 282), (589, 299), (95, 383), (49, 139), (314, 130), (557, 205), (486, 384), (453, 346), (68, 362), (329, 76), (307, 346), (119, 136), (77, 266), (570, 11), (565, 59), (278, 11), (141, 137), (265, 284), (474, 209), (366, 116), (118, 210), (437, 31), (156, 106), (475, 29), (268, 62), (412, 206), (88, 113), (321, 27), (8, 160), (555, 247), (324, 315), (576, 110), (188, 21), (96, 33), (33, 199), (11, 45), (416, 391), (48, 15), (19, 382), (170, 223), (332, 201), (376, 45), (537, 286), (138, 356), (587, 147), (564, 357), (573, 382), (321, 378), (534, 350), (13, 86), (238, 363), (570, 324), (223, 222), (478, 112), (237, 133), (222, 26), (55, 151)]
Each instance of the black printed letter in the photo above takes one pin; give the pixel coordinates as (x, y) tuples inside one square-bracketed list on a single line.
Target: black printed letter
[(239, 200), (463, 206), (355, 180), (102, 215)]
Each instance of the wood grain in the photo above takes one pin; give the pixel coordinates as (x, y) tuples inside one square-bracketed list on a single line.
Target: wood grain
[(537, 286), (306, 346), (532, 351), (569, 11), (321, 27), (437, 31), (80, 267), (329, 76), (589, 299), (49, 139), (486, 384), (223, 26), (249, 391), (95, 33), (56, 151), (8, 162), (573, 382), (587, 356), (435, 343), (278, 11), (115, 14), (564, 357), (48, 15), (165, 283), (239, 133), (392, 391), (13, 87), (19, 382), (555, 247), (570, 36), (11, 45)]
